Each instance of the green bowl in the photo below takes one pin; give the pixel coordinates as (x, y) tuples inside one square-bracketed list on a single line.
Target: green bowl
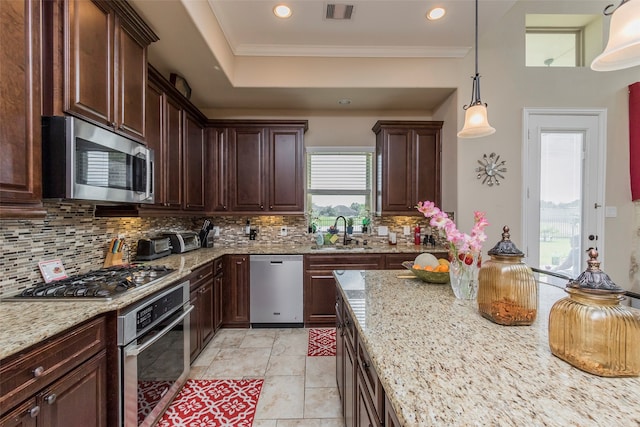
[(427, 276)]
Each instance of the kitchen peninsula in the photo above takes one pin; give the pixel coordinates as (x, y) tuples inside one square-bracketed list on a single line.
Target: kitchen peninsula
[(439, 363)]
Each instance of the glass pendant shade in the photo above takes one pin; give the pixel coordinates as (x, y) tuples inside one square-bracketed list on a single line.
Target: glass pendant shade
[(623, 47), (476, 123)]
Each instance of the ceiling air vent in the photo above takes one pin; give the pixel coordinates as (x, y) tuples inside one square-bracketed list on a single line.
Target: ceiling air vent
[(339, 11)]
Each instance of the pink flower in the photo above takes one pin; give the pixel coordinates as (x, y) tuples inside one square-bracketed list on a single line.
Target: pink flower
[(461, 243)]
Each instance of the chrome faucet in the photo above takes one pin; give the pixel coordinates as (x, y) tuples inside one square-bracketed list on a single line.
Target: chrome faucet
[(335, 224)]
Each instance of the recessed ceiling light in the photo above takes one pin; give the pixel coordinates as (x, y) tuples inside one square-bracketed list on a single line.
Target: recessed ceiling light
[(344, 101), (436, 13), (282, 11)]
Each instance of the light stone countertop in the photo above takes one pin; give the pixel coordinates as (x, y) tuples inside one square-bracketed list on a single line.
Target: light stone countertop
[(442, 364), (26, 323)]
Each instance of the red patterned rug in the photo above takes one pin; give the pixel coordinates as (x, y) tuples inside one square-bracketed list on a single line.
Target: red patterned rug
[(214, 403), (322, 342)]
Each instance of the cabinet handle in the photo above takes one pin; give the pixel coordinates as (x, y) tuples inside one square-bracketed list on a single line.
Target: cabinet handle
[(34, 412), (38, 371), (261, 207), (270, 206), (51, 398), (113, 125), (365, 365), (224, 207)]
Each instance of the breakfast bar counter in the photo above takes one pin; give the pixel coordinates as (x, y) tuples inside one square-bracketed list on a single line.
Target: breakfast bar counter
[(442, 364)]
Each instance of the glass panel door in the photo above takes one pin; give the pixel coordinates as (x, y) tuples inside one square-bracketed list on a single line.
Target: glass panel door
[(561, 170)]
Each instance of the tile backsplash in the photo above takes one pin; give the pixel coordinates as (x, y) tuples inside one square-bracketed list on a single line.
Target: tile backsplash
[(70, 232)]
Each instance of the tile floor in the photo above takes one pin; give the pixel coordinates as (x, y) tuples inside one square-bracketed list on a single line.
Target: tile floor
[(298, 391)]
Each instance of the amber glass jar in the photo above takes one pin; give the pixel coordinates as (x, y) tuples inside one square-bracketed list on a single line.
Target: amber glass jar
[(507, 290), (591, 330)]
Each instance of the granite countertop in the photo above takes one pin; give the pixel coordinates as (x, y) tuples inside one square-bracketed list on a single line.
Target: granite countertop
[(25, 323), (442, 364)]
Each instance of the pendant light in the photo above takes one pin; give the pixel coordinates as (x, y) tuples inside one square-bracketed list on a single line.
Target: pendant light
[(623, 47), (476, 123)]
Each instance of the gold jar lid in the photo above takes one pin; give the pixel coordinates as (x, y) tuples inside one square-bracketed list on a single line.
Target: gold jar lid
[(594, 280), (506, 247)]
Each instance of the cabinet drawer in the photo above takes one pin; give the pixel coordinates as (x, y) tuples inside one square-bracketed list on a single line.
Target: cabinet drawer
[(23, 375), (371, 381), (201, 276), (344, 262)]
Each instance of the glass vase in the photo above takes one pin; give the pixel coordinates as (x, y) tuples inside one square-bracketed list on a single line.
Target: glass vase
[(464, 278)]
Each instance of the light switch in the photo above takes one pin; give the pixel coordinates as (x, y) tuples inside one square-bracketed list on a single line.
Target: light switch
[(610, 211), (406, 230), (383, 230)]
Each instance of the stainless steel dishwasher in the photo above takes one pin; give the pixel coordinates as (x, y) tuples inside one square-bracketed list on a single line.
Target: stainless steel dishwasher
[(276, 291)]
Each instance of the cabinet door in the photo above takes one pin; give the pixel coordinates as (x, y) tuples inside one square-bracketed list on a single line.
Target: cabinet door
[(194, 162), (426, 166), (77, 399), (89, 50), (218, 284), (194, 325), (247, 169), (390, 418), (365, 414), (155, 139), (20, 109), (349, 386), (286, 170), (395, 193), (218, 165), (319, 298), (339, 345), (173, 147), (131, 83), (206, 313), (24, 415), (236, 292)]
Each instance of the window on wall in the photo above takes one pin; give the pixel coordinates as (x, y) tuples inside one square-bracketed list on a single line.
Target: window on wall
[(339, 182), (554, 47), (562, 40)]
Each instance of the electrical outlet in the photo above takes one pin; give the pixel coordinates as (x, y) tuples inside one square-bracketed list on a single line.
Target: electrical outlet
[(121, 236), (216, 231), (406, 230), (283, 230), (383, 230)]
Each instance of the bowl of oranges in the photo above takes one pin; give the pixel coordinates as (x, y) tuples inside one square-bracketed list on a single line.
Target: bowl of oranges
[(429, 269)]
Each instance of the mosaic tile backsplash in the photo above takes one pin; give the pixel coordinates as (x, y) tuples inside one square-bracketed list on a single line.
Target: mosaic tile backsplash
[(70, 232)]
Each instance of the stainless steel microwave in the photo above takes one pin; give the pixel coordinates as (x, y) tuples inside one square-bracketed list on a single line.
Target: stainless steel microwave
[(83, 161)]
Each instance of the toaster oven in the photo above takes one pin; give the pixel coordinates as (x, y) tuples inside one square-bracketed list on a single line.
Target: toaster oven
[(153, 248), (183, 241)]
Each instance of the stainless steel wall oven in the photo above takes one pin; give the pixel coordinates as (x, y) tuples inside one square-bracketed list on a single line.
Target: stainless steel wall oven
[(153, 344)]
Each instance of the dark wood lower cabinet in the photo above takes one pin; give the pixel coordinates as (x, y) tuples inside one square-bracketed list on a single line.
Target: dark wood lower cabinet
[(350, 371), (390, 418), (202, 316), (366, 415), (61, 382), (319, 284), (235, 293), (78, 399)]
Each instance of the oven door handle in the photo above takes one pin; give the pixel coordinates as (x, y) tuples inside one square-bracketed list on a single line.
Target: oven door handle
[(135, 351)]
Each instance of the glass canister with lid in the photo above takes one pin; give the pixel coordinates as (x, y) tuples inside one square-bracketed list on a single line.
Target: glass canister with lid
[(507, 290), (591, 330)]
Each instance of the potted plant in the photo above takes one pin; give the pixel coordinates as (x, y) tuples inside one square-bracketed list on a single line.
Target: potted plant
[(350, 225)]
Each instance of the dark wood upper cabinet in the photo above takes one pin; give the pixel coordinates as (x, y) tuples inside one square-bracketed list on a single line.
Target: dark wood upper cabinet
[(173, 166), (260, 166), (195, 156), (286, 170), (408, 165), (247, 169), (20, 110), (105, 65)]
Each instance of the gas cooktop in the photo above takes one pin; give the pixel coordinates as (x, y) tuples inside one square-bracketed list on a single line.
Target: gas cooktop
[(103, 284)]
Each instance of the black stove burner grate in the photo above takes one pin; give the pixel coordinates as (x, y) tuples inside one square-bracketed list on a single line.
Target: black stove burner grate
[(105, 283)]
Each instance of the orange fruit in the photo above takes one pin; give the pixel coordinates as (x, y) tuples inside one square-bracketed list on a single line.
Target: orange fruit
[(428, 268), (416, 267)]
